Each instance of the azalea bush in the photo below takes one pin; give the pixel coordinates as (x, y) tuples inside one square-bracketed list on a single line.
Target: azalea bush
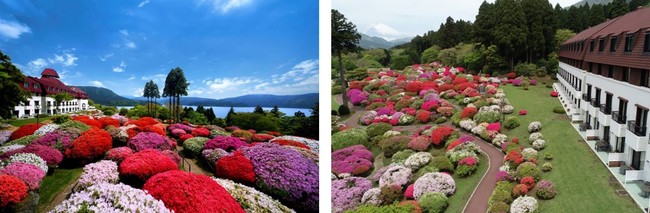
[(433, 202), (27, 158), (118, 154), (467, 166), (212, 155), (104, 171), (440, 134), (149, 140), (28, 173), (524, 204), (12, 191), (534, 126), (57, 139), (51, 156), (434, 182), (90, 145), (397, 175), (349, 137), (144, 164), (276, 169), (347, 193), (418, 160), (195, 145), (420, 143), (356, 160), (224, 142), (528, 169), (252, 200), (235, 167), (107, 197), (24, 130), (545, 190)]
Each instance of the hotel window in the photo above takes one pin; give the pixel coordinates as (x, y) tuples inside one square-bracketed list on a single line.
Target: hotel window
[(629, 43), (26, 85), (646, 44), (644, 78), (610, 72), (612, 45), (35, 86), (591, 67), (626, 74), (601, 45), (600, 69), (592, 45)]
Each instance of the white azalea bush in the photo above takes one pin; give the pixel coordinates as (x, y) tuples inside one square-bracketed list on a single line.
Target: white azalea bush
[(535, 136), (28, 158), (417, 160), (371, 197), (251, 199), (529, 153), (499, 139), (524, 204), (534, 126), (467, 124), (107, 197), (434, 182), (46, 129), (398, 175), (539, 144)]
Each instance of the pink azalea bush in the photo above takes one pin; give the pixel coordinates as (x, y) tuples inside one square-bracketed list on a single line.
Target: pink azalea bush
[(28, 173), (355, 160), (347, 193), (149, 140)]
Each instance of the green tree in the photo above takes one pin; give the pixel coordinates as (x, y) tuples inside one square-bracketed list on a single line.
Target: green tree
[(430, 54), (147, 94), (229, 116), (299, 114), (385, 62), (200, 109), (155, 94), (618, 8), (123, 111), (259, 110), (168, 91), (10, 79), (175, 86), (485, 22), (344, 38), (60, 98), (400, 62), (561, 35), (597, 15), (275, 112), (209, 114), (511, 32)]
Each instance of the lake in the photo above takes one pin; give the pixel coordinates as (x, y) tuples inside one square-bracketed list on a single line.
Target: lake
[(221, 112)]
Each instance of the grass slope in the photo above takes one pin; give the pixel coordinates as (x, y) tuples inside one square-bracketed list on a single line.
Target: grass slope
[(580, 177), (465, 186), (21, 122), (55, 183)]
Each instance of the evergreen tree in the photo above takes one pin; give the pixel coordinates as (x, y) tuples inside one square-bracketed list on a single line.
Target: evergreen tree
[(275, 111), (597, 15), (299, 114), (155, 94), (618, 8), (230, 115), (168, 91), (485, 22), (147, 94), (534, 14), (200, 109), (259, 110), (510, 34), (344, 38), (209, 114)]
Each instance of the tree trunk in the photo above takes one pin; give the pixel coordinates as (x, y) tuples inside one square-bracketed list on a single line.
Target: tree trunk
[(170, 108), (178, 103), (342, 78)]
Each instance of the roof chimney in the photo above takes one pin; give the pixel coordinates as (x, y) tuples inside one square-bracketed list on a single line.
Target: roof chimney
[(639, 7)]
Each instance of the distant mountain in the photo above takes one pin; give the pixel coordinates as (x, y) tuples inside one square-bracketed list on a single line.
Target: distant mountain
[(384, 31), (373, 42), (592, 2), (264, 100), (105, 96)]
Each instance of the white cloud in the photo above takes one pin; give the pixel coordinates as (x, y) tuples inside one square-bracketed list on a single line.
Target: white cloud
[(67, 59), (132, 78), (105, 57), (129, 44), (157, 78), (124, 32), (97, 83), (222, 85), (223, 6), (299, 72), (143, 3), (137, 92), (195, 92), (120, 68), (13, 30), (37, 64)]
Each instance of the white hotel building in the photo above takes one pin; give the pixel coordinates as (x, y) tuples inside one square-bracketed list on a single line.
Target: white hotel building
[(42, 100)]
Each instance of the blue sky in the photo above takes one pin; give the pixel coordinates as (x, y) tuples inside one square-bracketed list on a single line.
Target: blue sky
[(226, 48)]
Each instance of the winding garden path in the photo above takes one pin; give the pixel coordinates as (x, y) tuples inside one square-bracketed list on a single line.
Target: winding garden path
[(478, 201)]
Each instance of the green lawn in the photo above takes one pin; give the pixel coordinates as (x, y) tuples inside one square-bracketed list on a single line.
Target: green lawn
[(54, 184), (580, 177), (335, 104), (22, 122), (465, 187)]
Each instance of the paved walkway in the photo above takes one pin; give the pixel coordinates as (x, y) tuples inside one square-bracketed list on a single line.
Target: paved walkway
[(190, 165), (478, 201)]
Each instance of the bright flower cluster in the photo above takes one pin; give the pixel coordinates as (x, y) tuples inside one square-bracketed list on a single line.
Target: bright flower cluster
[(355, 160), (347, 193), (12, 190), (434, 182), (28, 173), (149, 140), (145, 164), (107, 197), (251, 199), (104, 171)]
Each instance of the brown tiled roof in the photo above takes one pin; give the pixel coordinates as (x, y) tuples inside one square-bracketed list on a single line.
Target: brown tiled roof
[(588, 33), (629, 23)]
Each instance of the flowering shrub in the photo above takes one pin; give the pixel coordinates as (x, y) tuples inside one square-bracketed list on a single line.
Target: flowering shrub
[(311, 143), (188, 192), (74, 125), (88, 121), (107, 197), (224, 142), (528, 169), (51, 156), (433, 202), (28, 173), (392, 145), (262, 137), (243, 134), (172, 155), (347, 193), (514, 158), (195, 145), (118, 154), (184, 137), (446, 111), (28, 158), (545, 190), (408, 193), (434, 182), (534, 126), (423, 116), (4, 136), (212, 155), (178, 132), (524, 204), (108, 121), (235, 167), (418, 160), (277, 168), (372, 197), (355, 160), (468, 112), (90, 145), (429, 105), (523, 112), (503, 176), (529, 153), (46, 129), (9, 148), (144, 164), (104, 171), (554, 93), (487, 116), (201, 132), (539, 144), (520, 190), (441, 133), (467, 124), (149, 140), (12, 191), (143, 121), (250, 199), (528, 181), (56, 139), (535, 136), (24, 130), (420, 143), (494, 127), (183, 127), (466, 149)]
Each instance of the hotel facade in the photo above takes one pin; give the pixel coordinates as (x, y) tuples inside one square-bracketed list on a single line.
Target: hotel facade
[(604, 85), (42, 99)]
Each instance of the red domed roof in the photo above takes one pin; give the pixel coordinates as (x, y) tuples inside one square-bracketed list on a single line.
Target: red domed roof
[(49, 72)]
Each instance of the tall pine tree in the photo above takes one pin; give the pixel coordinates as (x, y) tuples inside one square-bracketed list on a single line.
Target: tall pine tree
[(511, 32)]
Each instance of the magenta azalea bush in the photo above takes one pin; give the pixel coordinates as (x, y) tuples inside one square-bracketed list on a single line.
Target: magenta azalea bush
[(172, 155), (51, 156), (347, 193), (28, 173), (227, 143), (355, 160), (212, 155), (149, 140), (57, 139), (118, 154)]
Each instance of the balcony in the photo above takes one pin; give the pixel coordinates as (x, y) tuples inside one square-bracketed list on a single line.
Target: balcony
[(605, 109), (586, 98), (636, 129), (618, 117), (617, 127), (595, 103), (635, 136)]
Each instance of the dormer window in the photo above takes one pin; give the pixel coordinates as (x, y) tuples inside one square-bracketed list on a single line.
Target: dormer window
[(629, 43), (601, 45), (612, 45), (646, 45), (592, 45)]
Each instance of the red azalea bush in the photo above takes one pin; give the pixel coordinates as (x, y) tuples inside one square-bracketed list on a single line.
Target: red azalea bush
[(262, 137), (520, 190), (235, 167), (187, 192), (515, 140), (423, 116), (414, 86), (90, 145), (274, 133), (88, 121), (145, 164), (158, 129), (201, 132), (284, 142), (523, 112), (511, 75), (469, 161), (429, 105), (454, 144), (554, 93), (439, 134), (108, 121), (528, 181), (408, 194), (185, 137), (144, 121), (24, 130), (420, 143), (514, 158), (12, 190), (468, 112), (494, 127)]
